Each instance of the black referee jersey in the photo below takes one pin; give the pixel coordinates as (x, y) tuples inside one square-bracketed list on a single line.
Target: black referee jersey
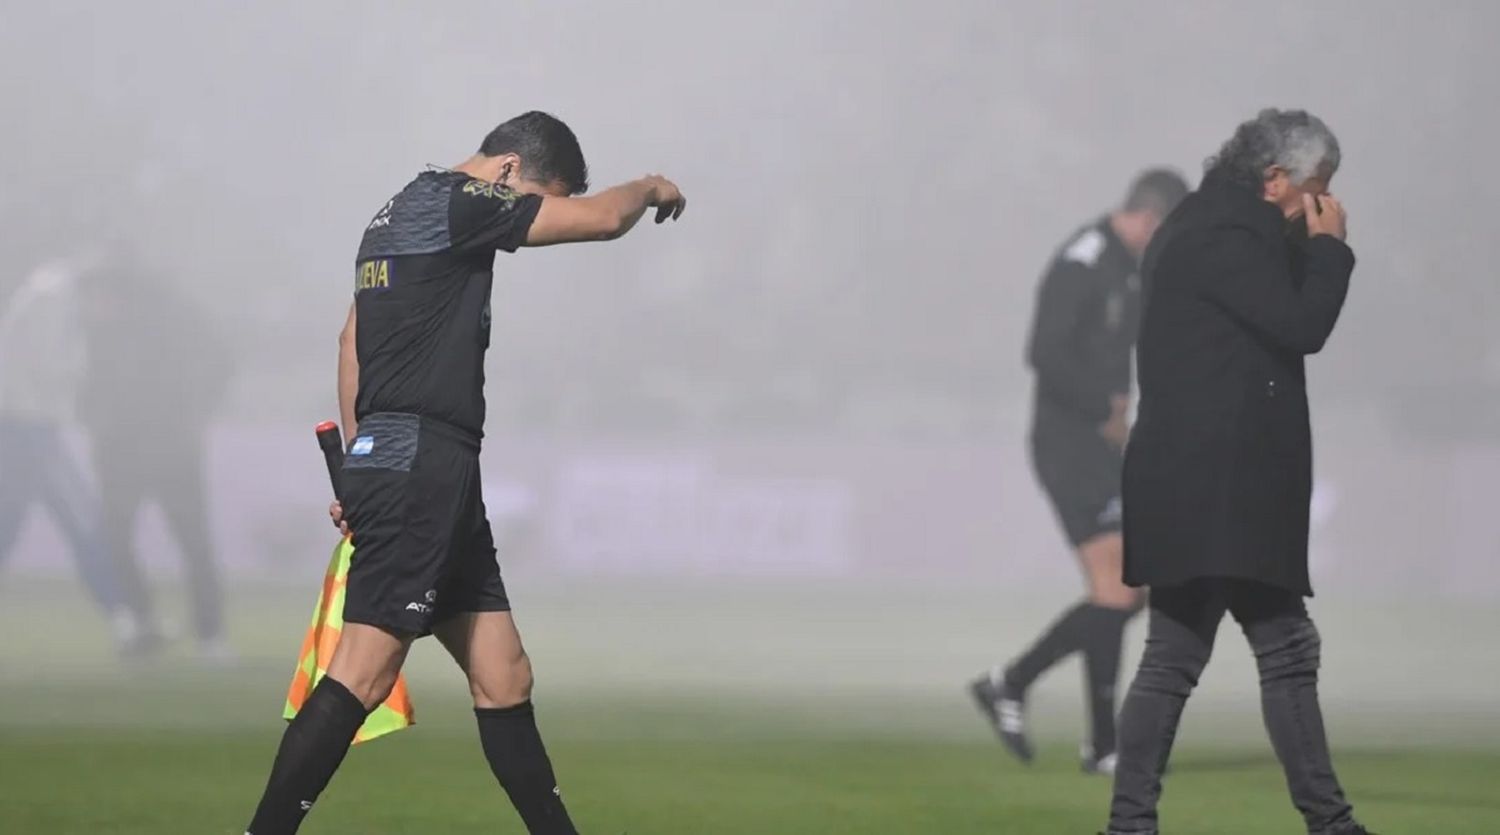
[(1088, 312)]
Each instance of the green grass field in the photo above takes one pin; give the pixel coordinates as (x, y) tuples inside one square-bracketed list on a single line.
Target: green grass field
[(759, 711)]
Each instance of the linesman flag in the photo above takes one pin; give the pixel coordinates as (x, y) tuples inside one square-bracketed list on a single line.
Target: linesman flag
[(327, 625)]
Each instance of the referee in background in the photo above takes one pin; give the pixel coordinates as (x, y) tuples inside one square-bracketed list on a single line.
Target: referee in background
[(1087, 315)]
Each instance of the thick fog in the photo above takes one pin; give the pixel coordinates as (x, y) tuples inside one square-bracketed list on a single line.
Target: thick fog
[(819, 372)]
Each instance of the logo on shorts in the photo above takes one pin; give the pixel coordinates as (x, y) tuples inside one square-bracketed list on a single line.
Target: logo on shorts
[(424, 608), (363, 445)]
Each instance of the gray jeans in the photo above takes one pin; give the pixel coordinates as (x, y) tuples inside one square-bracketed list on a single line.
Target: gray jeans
[(1184, 620)]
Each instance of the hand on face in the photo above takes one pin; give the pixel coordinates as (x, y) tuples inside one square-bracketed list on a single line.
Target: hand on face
[(1325, 216)]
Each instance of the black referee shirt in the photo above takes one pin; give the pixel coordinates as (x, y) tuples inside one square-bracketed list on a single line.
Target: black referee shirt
[(422, 295), (1088, 312)]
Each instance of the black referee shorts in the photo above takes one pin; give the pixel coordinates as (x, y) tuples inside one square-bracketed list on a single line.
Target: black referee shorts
[(423, 551), (1081, 474)]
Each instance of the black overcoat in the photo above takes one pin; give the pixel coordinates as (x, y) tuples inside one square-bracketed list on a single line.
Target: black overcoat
[(1218, 472)]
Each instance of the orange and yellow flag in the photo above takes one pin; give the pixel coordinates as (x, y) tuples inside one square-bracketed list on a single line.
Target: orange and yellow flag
[(395, 712)]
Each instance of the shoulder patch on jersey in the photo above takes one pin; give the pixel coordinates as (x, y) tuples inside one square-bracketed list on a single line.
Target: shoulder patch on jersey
[(481, 188), (1086, 248)]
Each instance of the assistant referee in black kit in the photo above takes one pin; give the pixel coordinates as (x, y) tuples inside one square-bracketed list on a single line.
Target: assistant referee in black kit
[(411, 392), (1087, 313)]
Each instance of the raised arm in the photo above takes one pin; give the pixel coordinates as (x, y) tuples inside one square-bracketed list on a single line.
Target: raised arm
[(1249, 283), (604, 216)]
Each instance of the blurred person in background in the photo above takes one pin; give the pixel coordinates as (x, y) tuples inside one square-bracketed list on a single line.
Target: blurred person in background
[(1087, 314), (41, 367), (157, 370), (1242, 283)]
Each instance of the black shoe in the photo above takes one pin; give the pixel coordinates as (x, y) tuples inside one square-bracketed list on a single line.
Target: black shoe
[(1006, 711)]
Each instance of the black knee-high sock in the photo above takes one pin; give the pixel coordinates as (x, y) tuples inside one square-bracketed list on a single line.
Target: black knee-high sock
[(1065, 636), (1101, 658), (514, 748), (311, 749)]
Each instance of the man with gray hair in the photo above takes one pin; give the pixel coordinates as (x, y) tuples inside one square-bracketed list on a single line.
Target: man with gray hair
[(1244, 281)]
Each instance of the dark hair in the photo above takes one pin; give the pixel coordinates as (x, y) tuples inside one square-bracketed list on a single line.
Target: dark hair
[(1295, 140), (548, 150), (1156, 190)]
